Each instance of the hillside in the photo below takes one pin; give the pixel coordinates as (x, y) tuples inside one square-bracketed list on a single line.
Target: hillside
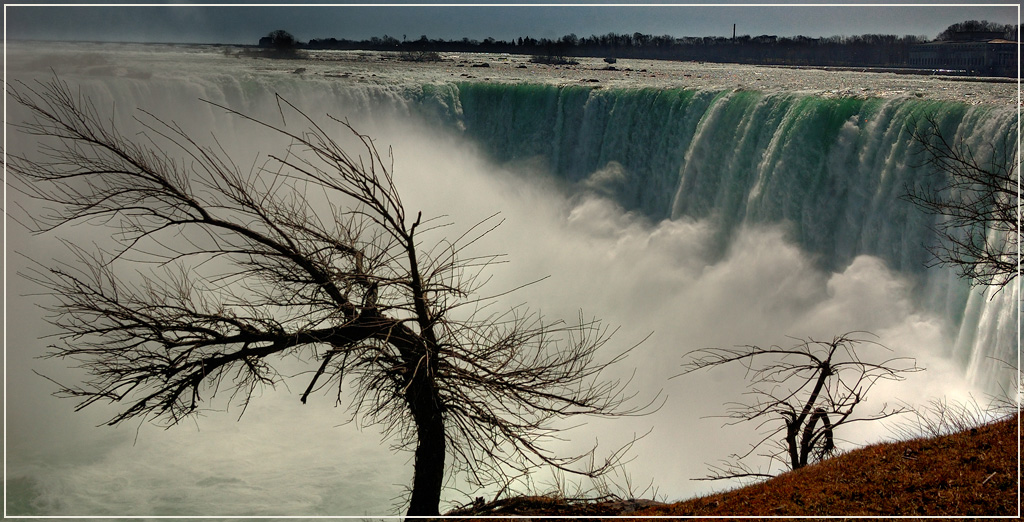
[(972, 473)]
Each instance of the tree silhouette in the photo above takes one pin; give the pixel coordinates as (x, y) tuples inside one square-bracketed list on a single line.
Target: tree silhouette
[(973, 26), (217, 274), (975, 199), (281, 40), (803, 394)]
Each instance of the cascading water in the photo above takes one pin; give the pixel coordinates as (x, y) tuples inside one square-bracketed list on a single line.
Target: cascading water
[(833, 171)]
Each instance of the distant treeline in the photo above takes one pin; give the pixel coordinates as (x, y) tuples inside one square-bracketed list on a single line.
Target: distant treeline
[(869, 50), (865, 50)]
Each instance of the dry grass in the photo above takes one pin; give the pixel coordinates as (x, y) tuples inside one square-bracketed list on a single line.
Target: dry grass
[(970, 473)]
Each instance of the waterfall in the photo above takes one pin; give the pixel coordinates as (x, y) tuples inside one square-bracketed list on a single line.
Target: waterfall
[(831, 170)]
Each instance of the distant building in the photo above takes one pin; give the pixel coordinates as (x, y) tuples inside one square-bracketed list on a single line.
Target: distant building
[(978, 53)]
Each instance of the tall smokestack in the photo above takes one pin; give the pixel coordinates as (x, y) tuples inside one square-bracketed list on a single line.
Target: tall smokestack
[(733, 31)]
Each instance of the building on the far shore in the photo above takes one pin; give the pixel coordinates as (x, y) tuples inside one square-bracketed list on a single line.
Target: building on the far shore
[(977, 53)]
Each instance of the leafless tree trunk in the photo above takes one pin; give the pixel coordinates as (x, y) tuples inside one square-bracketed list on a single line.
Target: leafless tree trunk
[(217, 273), (976, 201), (813, 388)]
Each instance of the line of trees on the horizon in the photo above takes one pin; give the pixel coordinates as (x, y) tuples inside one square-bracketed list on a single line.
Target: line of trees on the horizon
[(867, 50)]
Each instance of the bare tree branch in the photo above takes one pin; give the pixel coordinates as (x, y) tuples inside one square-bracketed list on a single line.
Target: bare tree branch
[(214, 274), (976, 199), (802, 394)]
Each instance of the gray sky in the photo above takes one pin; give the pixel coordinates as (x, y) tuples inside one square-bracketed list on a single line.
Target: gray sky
[(245, 24)]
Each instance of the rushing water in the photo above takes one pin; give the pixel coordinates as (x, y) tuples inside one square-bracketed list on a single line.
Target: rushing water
[(706, 214), (831, 170)]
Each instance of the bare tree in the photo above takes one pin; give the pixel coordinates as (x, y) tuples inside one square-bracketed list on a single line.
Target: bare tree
[(802, 394), (281, 40), (217, 274), (976, 201)]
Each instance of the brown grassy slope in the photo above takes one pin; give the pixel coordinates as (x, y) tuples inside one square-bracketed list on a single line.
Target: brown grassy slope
[(971, 473)]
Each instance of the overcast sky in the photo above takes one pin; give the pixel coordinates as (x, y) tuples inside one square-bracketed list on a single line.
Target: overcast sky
[(246, 23)]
